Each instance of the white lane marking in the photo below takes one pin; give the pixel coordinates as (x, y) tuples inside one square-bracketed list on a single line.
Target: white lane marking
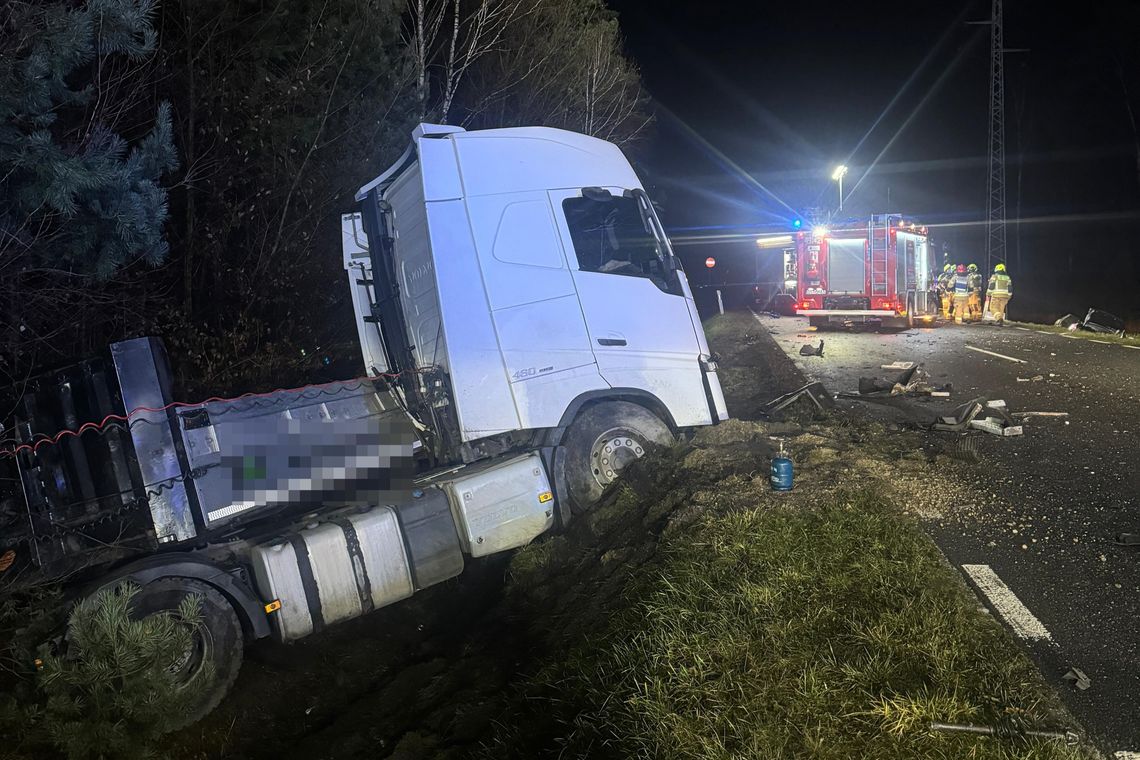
[(1000, 356), (1017, 615), (1105, 342), (1045, 332), (1074, 337), (1134, 347), (1025, 328)]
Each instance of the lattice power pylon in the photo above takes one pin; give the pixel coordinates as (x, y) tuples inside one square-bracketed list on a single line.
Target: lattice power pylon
[(995, 205)]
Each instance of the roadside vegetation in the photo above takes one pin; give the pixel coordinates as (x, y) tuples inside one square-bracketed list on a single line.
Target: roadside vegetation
[(821, 623)]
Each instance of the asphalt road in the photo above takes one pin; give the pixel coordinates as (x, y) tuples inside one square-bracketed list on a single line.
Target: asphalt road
[(1053, 500)]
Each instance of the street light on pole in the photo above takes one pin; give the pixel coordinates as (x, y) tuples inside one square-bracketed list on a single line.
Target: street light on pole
[(838, 175)]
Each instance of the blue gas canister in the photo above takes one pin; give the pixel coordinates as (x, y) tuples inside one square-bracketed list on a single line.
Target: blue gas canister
[(782, 476)]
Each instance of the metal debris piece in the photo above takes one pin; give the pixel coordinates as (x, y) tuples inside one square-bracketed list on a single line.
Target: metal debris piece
[(810, 350), (1103, 322), (1040, 414), (1007, 732), (995, 426), (1066, 321), (897, 365), (959, 422), (1077, 677), (1034, 379), (816, 393)]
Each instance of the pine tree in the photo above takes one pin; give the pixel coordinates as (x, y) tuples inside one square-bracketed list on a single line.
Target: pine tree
[(114, 690), (76, 195)]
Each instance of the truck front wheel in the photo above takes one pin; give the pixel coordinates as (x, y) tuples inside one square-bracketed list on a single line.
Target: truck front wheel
[(210, 666), (603, 440)]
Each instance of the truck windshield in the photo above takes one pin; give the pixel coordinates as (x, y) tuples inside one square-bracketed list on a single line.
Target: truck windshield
[(620, 235)]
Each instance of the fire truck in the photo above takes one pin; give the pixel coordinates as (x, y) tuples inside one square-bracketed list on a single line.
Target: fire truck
[(874, 271)]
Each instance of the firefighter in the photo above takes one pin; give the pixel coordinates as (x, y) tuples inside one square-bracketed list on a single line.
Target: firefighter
[(946, 290), (974, 302), (961, 293), (998, 293)]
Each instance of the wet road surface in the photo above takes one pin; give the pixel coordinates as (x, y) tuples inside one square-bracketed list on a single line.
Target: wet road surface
[(1053, 500)]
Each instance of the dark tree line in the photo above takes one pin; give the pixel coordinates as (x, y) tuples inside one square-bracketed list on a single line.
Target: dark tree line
[(179, 167)]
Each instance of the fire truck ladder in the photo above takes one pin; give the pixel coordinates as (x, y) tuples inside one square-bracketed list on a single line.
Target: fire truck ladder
[(878, 235)]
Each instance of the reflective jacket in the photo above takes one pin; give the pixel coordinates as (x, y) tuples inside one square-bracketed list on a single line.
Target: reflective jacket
[(974, 281), (946, 282), (962, 285), (1000, 284)]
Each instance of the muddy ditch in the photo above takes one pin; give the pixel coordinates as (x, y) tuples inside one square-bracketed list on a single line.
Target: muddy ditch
[(434, 676)]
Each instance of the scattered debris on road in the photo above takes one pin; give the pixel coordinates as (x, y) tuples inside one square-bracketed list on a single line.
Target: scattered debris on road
[(913, 380), (1034, 379), (990, 416), (809, 350), (1040, 414), (1077, 677), (1127, 539)]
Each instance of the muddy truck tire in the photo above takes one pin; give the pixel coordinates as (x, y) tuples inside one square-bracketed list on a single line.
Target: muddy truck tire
[(603, 440), (216, 649)]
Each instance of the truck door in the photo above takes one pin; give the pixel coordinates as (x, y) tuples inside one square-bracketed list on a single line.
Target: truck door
[(534, 304), (633, 299)]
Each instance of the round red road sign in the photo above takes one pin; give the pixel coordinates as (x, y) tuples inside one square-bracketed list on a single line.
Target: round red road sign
[(710, 262)]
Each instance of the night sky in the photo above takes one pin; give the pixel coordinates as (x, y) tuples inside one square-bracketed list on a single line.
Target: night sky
[(757, 102)]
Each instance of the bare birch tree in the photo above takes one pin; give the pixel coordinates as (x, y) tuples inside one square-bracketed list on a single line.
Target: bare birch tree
[(446, 38), (561, 64)]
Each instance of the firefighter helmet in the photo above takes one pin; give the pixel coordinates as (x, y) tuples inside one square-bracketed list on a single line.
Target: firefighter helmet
[(948, 268), (973, 267), (999, 268), (961, 269)]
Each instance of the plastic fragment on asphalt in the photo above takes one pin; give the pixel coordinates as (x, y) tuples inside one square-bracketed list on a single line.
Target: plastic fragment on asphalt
[(1077, 677)]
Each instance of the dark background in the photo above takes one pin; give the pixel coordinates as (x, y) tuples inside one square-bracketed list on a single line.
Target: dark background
[(756, 104)]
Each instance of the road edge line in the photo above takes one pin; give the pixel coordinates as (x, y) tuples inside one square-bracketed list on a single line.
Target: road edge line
[(1016, 615)]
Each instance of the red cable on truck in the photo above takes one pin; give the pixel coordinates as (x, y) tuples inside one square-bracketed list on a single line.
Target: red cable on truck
[(87, 426)]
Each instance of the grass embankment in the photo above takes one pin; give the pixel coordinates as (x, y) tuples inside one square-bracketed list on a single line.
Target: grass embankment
[(1129, 339), (821, 623)]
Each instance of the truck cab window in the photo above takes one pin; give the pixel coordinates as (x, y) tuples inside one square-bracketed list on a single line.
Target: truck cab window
[(611, 235)]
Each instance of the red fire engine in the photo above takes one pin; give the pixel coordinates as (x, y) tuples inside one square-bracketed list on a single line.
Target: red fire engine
[(874, 271)]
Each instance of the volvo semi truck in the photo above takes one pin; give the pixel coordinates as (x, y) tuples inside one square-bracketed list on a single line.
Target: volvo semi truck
[(526, 333)]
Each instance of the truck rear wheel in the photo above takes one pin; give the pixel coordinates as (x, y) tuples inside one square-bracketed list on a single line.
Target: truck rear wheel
[(603, 440), (212, 662)]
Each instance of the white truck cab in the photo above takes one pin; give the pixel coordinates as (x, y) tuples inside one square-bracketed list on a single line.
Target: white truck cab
[(517, 275), (519, 306)]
